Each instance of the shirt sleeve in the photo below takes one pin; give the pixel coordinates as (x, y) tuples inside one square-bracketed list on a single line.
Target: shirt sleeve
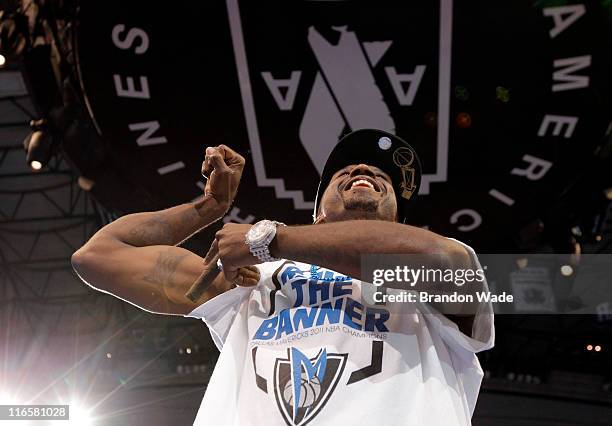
[(219, 312), (483, 329)]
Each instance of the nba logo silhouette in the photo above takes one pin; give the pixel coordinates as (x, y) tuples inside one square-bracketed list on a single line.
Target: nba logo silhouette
[(324, 69)]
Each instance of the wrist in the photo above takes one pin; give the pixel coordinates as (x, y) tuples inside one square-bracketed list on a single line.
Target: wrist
[(260, 236), (277, 243), (210, 209)]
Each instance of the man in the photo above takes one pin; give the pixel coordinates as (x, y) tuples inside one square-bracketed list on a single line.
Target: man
[(302, 339)]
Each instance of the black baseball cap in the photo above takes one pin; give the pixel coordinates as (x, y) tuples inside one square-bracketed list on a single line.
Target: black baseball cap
[(381, 149)]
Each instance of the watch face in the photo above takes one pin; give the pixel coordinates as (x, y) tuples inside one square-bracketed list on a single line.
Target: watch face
[(258, 233), (506, 103)]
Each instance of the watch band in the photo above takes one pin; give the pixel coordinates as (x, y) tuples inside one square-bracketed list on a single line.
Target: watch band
[(262, 250)]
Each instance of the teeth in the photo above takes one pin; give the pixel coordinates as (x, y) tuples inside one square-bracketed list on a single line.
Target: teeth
[(362, 182)]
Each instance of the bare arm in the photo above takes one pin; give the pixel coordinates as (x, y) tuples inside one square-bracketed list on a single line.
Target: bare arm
[(136, 258), (171, 226), (339, 247)]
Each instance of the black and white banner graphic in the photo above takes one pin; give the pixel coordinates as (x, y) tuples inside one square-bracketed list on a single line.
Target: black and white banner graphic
[(504, 103)]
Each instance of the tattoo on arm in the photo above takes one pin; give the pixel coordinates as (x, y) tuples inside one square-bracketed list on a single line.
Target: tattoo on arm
[(166, 230), (164, 269), (191, 216), (152, 232)]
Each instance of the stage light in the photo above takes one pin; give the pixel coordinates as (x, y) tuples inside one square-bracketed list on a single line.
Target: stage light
[(589, 347), (79, 415), (463, 120), (2, 60), (38, 145), (598, 238), (502, 94), (462, 93), (188, 350), (109, 355), (597, 348), (85, 184), (567, 270)]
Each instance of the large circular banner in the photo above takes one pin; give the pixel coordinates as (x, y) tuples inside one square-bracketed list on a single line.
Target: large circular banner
[(505, 103)]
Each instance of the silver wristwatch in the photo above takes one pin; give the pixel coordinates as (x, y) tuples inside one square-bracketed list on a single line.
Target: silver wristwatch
[(259, 238)]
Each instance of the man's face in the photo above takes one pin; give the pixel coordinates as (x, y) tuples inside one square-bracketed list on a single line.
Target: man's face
[(358, 191)]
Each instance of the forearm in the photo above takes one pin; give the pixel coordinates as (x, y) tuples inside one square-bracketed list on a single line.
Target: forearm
[(340, 245), (165, 227)]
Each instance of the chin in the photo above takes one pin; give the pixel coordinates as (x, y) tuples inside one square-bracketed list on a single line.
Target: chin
[(368, 208), (361, 204), (360, 209)]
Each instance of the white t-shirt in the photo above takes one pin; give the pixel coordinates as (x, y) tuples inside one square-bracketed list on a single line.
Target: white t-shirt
[(314, 336)]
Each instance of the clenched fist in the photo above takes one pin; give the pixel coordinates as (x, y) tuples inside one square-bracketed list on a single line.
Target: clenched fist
[(222, 167), (233, 251)]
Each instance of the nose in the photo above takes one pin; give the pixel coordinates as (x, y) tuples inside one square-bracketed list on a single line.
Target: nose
[(362, 169)]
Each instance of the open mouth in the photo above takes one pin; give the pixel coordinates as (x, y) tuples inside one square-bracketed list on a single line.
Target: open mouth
[(362, 182)]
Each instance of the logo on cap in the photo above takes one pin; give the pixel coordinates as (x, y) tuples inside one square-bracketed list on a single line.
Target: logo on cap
[(403, 158)]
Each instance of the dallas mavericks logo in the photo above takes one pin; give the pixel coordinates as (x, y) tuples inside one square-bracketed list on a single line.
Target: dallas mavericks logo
[(303, 385)]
